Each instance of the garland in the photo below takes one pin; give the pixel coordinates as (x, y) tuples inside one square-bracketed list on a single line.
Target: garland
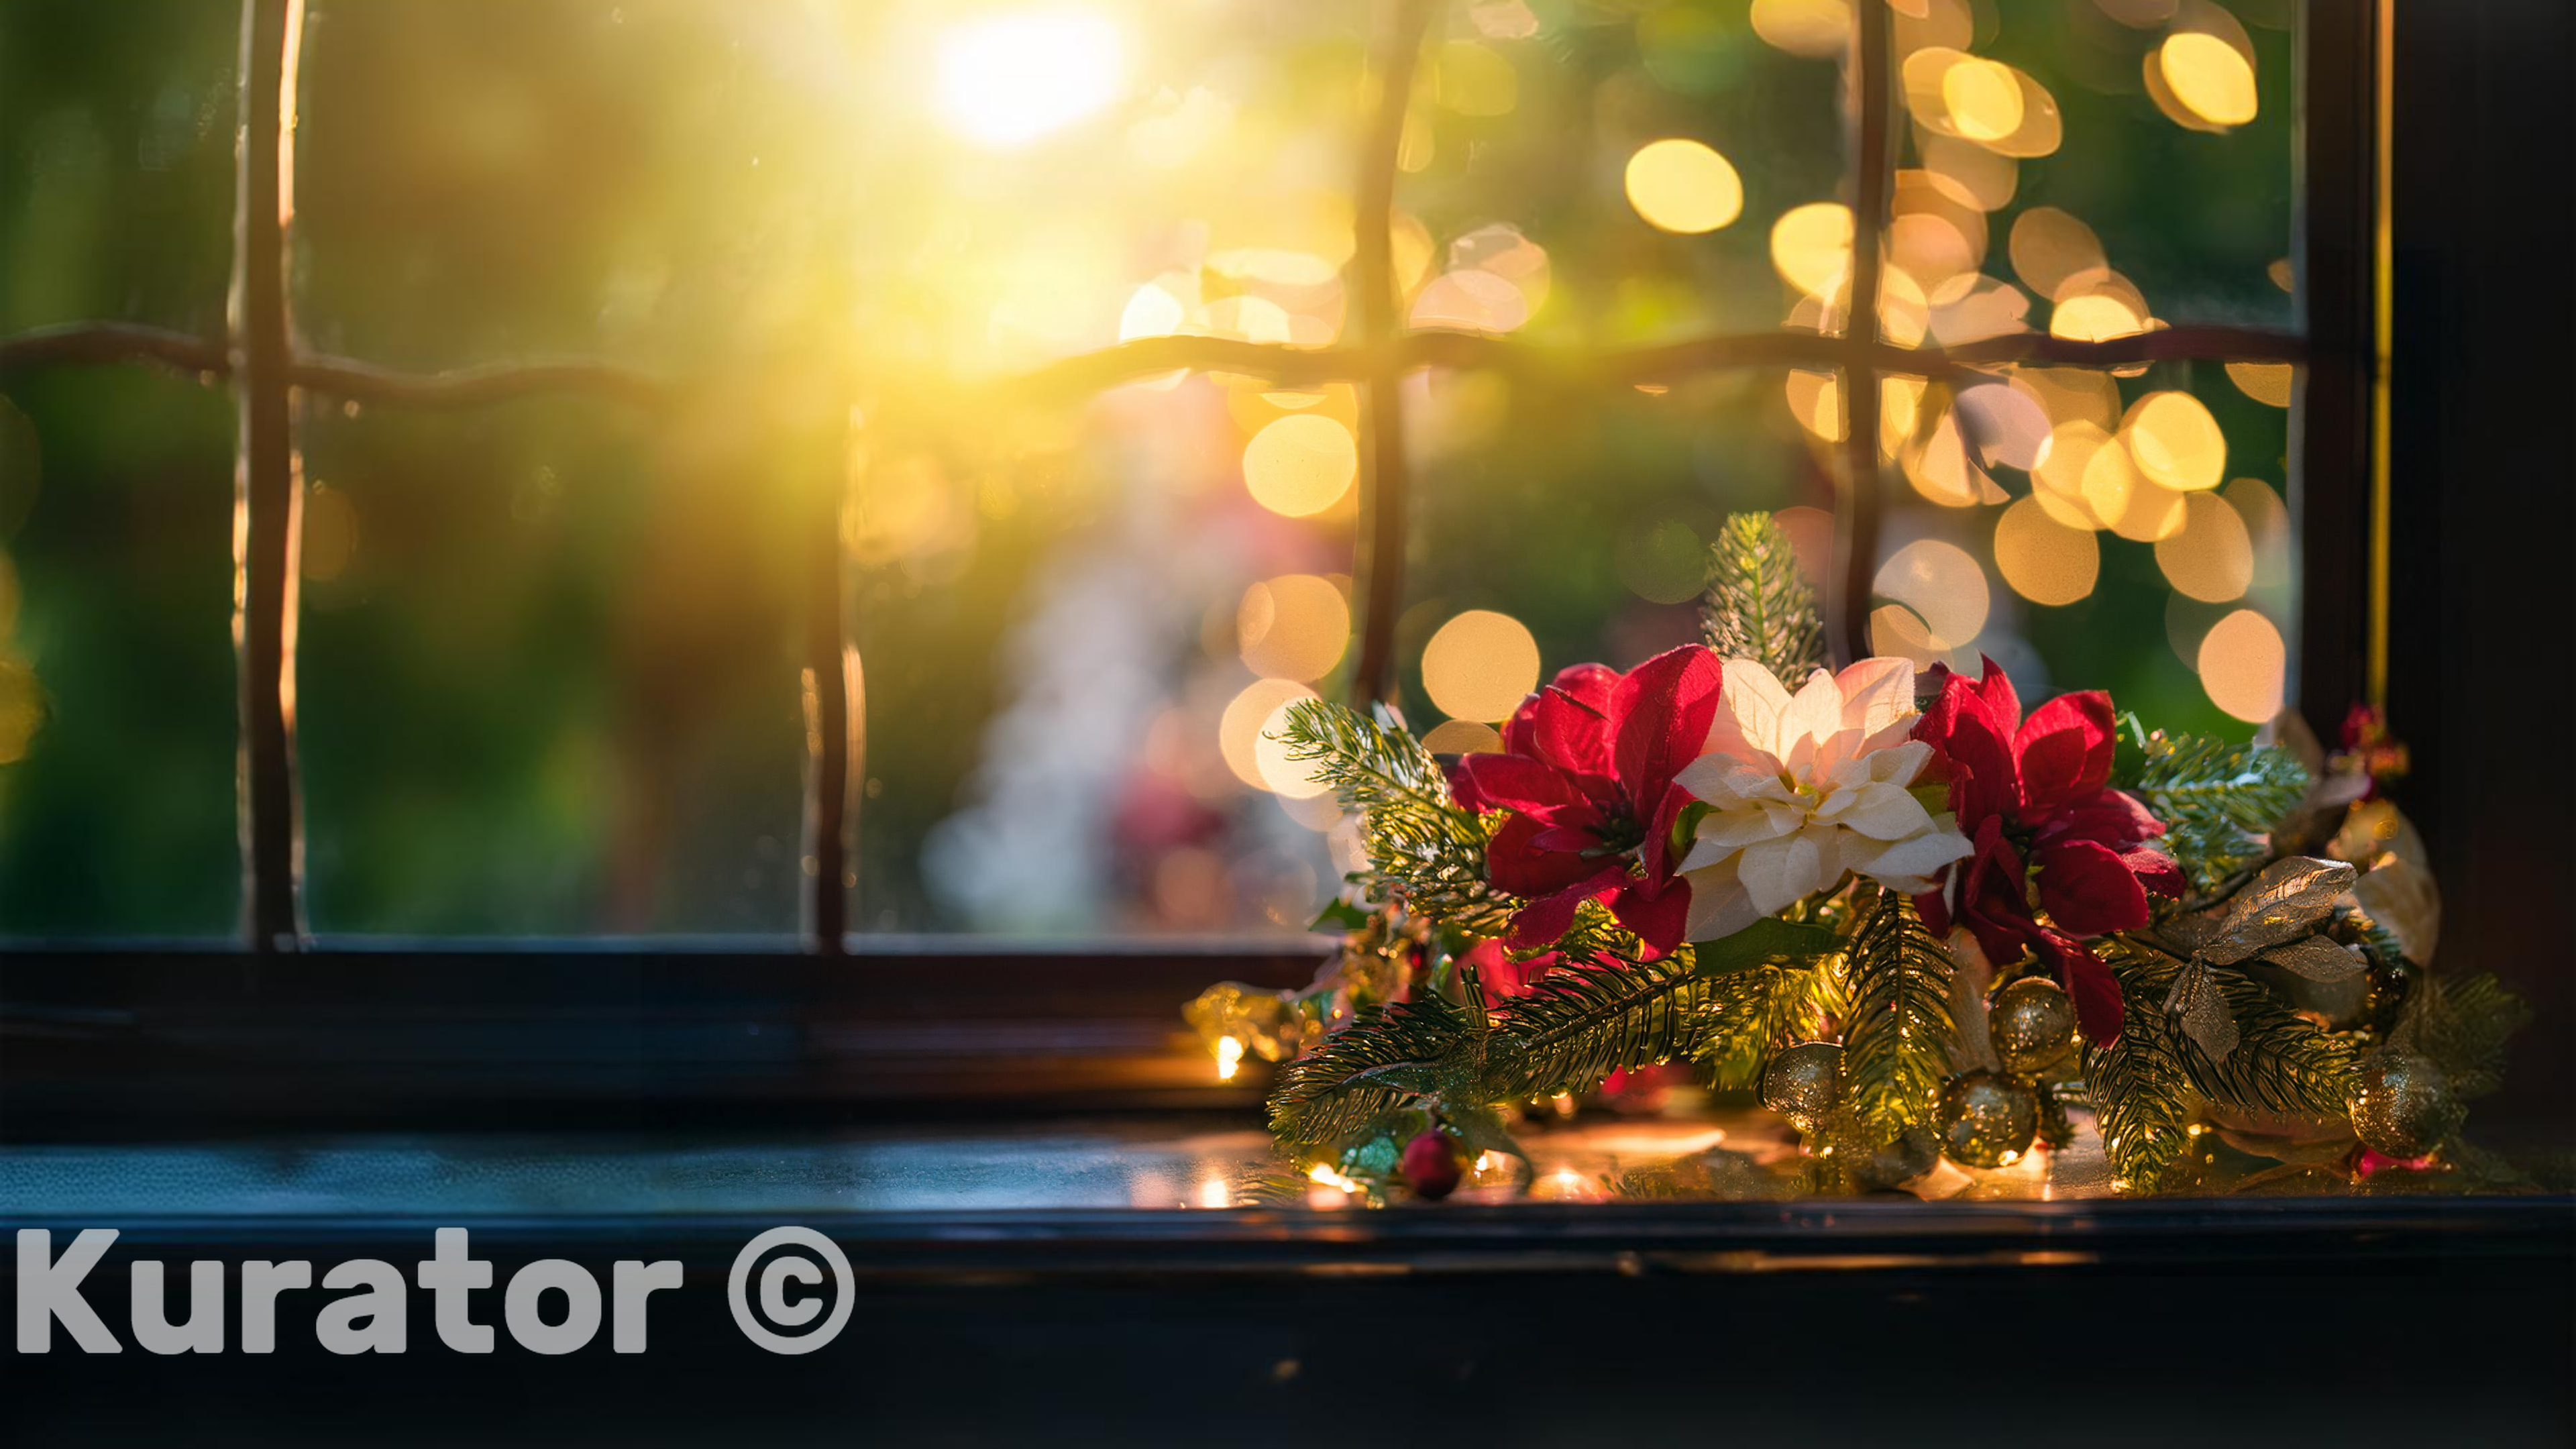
[(1921, 923)]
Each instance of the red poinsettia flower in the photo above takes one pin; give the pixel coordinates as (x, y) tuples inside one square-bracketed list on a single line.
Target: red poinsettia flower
[(1586, 771), (2039, 790)]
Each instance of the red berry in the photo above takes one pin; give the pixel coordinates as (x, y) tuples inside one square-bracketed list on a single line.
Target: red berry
[(1430, 1165)]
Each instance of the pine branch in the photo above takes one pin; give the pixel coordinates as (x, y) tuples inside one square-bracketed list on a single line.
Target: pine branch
[(1422, 847), (1578, 1024), (1381, 1062), (1743, 1017), (1897, 1044), (2464, 1026), (2282, 1062), (2140, 1086), (2219, 802), (1758, 604)]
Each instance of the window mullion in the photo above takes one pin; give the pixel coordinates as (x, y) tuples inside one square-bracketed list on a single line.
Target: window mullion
[(267, 497), (1377, 564), (1856, 522)]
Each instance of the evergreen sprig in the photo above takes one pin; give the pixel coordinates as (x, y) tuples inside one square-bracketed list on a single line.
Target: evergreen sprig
[(1578, 1024), (1421, 845), (1758, 604), (1745, 1015), (2463, 1025), (2219, 801), (2140, 1084), (1897, 1044), (2282, 1062), (1382, 1061)]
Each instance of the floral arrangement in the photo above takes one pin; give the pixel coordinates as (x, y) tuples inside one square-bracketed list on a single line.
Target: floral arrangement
[(1919, 920)]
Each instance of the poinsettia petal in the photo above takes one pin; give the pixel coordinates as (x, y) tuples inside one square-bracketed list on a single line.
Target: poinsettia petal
[(1492, 781), (2116, 818), (1659, 915), (1995, 688), (2088, 888), (1516, 863), (1746, 726), (1975, 752), (2064, 749), (1570, 734), (1547, 918), (2088, 980), (1588, 685), (1719, 906), (2156, 871), (1659, 718)]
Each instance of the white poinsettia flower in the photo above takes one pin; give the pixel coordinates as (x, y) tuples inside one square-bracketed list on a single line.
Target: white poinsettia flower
[(1803, 787)]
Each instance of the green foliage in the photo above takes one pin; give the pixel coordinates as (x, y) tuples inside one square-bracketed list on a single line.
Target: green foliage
[(1422, 847), (1380, 1062), (1898, 1038), (1758, 604), (2140, 1085), (2463, 1025), (2282, 1062), (2219, 801), (1576, 1025), (1745, 1014)]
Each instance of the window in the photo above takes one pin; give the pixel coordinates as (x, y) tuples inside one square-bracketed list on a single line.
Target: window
[(869, 473)]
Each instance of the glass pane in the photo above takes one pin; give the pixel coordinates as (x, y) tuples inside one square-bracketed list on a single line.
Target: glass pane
[(1075, 627), (2090, 530), (1556, 528), (667, 181), (116, 664), (2095, 169), (1616, 174), (116, 162), (548, 669)]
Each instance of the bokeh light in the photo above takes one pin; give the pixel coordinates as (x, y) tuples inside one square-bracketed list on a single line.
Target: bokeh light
[(1247, 718), (2243, 665), (1683, 186), (1295, 626), (1480, 665), (2211, 557), (2045, 561), (1301, 464), (1943, 586)]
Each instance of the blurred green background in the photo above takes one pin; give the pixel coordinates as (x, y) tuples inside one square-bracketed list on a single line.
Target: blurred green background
[(548, 649)]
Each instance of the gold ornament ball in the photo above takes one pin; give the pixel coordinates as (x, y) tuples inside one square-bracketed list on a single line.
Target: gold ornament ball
[(2402, 1104), (2032, 1026), (1987, 1120), (1803, 1083)]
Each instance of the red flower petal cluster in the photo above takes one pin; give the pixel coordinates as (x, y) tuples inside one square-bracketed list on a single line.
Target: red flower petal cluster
[(2042, 786), (1586, 771)]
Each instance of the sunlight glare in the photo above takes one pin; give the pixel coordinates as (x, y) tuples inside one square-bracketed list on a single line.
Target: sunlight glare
[(1008, 79)]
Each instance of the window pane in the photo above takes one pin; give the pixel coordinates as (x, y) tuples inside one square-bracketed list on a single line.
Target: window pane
[(2095, 169), (1075, 628), (116, 162), (2090, 530), (1623, 173), (116, 665), (1557, 527), (548, 669)]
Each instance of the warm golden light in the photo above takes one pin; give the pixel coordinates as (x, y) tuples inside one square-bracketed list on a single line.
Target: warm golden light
[(1480, 665), (1811, 246), (1982, 99), (1683, 186), (2211, 557), (1229, 1057), (1295, 626), (2207, 77), (1005, 80), (2265, 382), (2175, 442), (1246, 718), (1817, 29), (2044, 560), (2242, 666), (1301, 464), (1462, 737), (1943, 587)]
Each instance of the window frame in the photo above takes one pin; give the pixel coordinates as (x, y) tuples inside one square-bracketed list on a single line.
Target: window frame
[(620, 1001)]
